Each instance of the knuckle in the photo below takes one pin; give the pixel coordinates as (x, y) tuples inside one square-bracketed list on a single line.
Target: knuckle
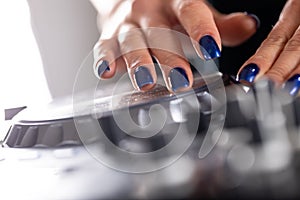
[(295, 4), (104, 46), (99, 45), (133, 35), (278, 74), (186, 6), (278, 40), (171, 60), (138, 6), (198, 30), (154, 36), (158, 20), (263, 59), (294, 44), (136, 58)]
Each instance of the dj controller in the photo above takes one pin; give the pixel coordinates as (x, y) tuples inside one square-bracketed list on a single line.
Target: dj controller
[(221, 139)]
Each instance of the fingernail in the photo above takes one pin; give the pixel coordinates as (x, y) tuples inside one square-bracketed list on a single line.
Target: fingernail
[(249, 73), (292, 86), (143, 76), (178, 79), (209, 48), (102, 67), (255, 18)]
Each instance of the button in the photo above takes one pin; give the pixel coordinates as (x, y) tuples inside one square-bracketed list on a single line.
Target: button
[(13, 136), (30, 137), (53, 135)]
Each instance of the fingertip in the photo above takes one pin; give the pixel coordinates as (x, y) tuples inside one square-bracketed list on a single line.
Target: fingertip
[(292, 85), (236, 28), (248, 73), (144, 78), (104, 53), (254, 18), (101, 67), (179, 80), (209, 47), (104, 69)]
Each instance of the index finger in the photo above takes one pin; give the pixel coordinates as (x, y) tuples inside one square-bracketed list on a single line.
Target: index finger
[(198, 21)]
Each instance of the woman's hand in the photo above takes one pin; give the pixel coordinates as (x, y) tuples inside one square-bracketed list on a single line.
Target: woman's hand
[(123, 33), (278, 57)]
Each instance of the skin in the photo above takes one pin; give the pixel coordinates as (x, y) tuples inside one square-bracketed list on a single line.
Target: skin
[(278, 56)]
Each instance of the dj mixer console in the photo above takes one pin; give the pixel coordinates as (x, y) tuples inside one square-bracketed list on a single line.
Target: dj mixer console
[(213, 141)]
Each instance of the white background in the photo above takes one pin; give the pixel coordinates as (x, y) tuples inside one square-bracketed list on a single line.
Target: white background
[(22, 81)]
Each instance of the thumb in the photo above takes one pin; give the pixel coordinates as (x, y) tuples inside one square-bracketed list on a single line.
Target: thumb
[(235, 28)]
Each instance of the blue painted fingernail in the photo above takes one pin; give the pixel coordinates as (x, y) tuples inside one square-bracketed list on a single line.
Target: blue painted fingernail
[(209, 48), (292, 86), (102, 67), (249, 73), (178, 79), (143, 76), (255, 18)]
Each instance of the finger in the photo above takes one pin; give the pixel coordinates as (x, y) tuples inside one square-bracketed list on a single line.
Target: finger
[(292, 85), (271, 48), (137, 57), (121, 65), (105, 52), (236, 28), (287, 61), (166, 48), (198, 21), (175, 69)]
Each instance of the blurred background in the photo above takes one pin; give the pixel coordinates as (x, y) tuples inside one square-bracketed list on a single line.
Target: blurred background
[(22, 79), (43, 43)]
